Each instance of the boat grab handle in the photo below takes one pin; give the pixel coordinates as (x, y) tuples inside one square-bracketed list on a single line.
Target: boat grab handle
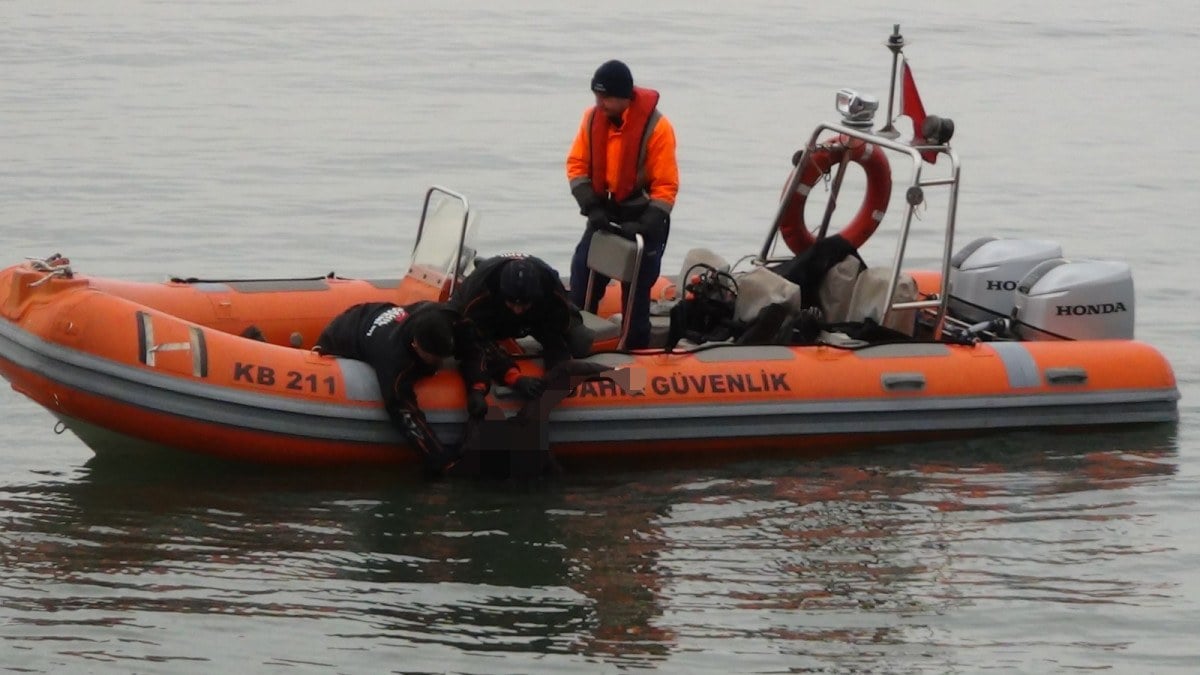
[(1066, 376), (903, 381)]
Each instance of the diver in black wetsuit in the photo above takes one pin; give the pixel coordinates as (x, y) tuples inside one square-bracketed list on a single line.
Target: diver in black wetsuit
[(404, 345)]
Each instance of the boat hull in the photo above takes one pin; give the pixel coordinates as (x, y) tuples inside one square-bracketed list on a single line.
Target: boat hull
[(128, 378)]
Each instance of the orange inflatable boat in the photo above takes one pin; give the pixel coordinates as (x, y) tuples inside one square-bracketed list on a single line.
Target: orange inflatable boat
[(1007, 334)]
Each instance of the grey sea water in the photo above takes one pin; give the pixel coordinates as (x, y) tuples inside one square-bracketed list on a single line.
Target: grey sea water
[(271, 138)]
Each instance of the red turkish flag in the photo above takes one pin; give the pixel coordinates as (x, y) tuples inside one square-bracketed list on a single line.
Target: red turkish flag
[(911, 106)]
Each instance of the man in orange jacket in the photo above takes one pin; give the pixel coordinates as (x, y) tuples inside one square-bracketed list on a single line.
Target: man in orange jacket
[(622, 170)]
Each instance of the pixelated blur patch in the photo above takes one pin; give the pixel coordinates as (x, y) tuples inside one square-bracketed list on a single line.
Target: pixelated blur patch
[(519, 446)]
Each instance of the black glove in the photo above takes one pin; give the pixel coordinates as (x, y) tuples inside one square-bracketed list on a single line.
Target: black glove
[(529, 387), (630, 228), (477, 405), (586, 197), (654, 224), (597, 219)]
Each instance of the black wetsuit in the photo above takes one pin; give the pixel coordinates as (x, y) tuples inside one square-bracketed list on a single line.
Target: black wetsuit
[(380, 333), (551, 320)]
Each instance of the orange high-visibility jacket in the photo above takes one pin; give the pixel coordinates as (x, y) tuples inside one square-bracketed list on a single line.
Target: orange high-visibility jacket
[(634, 164)]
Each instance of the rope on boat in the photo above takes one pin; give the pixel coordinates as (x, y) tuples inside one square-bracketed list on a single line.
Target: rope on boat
[(54, 266), (64, 272)]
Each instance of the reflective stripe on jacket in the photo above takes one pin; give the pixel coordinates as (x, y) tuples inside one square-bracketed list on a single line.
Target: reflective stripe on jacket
[(631, 174)]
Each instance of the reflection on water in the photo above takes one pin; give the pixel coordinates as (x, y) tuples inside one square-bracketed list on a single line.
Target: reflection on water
[(882, 549)]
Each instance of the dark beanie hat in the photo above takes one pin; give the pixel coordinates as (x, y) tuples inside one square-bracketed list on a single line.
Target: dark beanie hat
[(519, 281), (613, 78), (433, 332)]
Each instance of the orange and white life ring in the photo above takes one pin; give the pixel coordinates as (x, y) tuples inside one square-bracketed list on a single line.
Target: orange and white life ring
[(820, 162)]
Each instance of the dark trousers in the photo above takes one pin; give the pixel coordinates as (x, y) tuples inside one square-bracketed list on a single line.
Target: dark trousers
[(639, 327)]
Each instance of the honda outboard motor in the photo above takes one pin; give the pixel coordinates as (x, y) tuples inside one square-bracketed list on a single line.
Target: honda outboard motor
[(1075, 300), (984, 275)]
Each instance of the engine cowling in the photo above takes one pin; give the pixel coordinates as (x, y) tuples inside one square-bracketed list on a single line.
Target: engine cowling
[(985, 273), (1062, 299)]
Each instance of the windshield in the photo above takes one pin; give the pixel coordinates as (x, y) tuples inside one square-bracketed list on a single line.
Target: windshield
[(446, 241)]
